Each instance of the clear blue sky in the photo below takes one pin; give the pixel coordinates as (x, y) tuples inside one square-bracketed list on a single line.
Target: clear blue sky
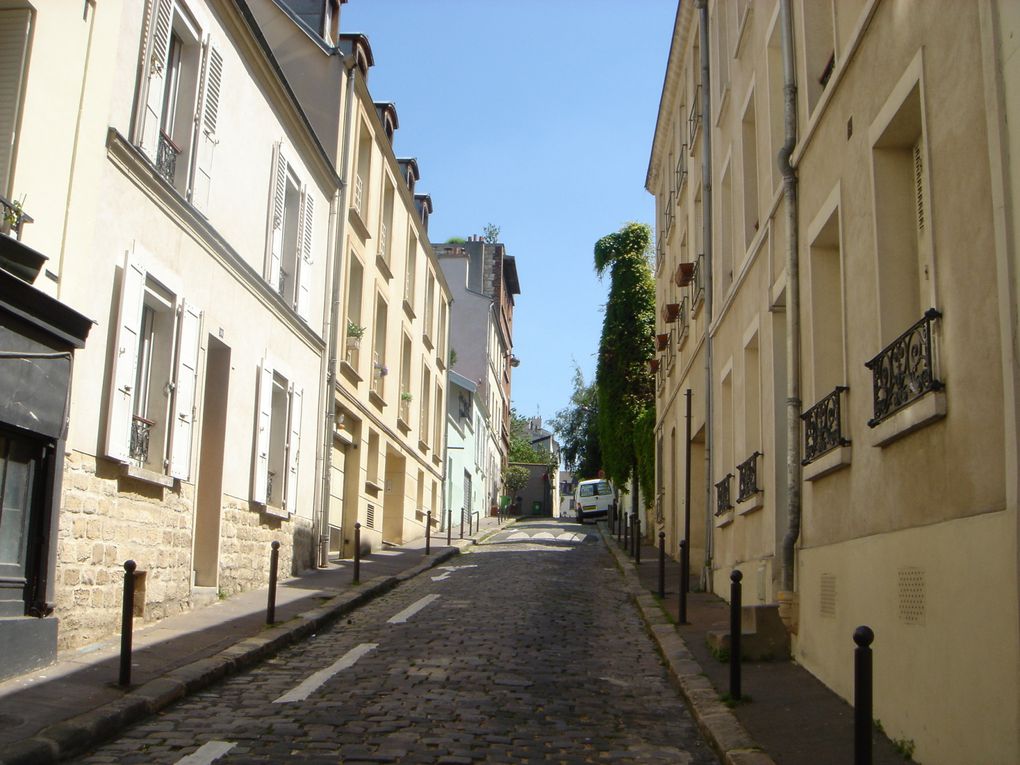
[(535, 115)]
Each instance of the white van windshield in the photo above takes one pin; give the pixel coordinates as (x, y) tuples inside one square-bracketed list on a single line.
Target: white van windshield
[(594, 488)]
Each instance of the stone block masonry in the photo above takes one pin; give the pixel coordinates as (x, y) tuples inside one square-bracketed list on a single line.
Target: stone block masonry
[(108, 517)]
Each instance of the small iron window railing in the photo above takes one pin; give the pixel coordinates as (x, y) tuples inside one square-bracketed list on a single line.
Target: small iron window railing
[(694, 118), (683, 319), (359, 193), (681, 171), (747, 483), (698, 283), (722, 495), (823, 426), (166, 158), (141, 430), (906, 369)]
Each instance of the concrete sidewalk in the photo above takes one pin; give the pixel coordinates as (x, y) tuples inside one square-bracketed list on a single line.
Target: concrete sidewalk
[(68, 707), (791, 719)]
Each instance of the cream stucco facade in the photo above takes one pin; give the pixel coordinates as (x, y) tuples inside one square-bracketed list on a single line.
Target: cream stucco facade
[(901, 372)]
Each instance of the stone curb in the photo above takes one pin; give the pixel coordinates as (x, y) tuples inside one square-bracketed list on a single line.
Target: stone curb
[(79, 734), (716, 721)]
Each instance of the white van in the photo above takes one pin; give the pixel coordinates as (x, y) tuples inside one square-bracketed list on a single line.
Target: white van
[(593, 498)]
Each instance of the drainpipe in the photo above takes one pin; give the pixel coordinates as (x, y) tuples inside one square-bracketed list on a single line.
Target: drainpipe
[(787, 596), (333, 322), (706, 237)]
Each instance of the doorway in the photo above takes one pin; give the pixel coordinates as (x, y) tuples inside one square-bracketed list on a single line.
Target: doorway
[(209, 492)]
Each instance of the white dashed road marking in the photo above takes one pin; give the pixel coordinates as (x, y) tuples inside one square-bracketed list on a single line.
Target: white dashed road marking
[(448, 571), (208, 752), (316, 680), (411, 610)]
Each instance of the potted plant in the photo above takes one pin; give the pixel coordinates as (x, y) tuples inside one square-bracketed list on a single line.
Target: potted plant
[(406, 396), (13, 213), (354, 335)]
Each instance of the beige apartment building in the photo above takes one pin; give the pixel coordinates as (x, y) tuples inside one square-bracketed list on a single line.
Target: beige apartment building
[(388, 350), (846, 326)]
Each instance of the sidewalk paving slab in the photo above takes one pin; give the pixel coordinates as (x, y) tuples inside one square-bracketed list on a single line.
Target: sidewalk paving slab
[(792, 717), (66, 708)]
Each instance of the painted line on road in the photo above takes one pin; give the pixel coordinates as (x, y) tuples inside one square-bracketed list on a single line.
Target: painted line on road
[(316, 680), (208, 752), (448, 571), (411, 610)]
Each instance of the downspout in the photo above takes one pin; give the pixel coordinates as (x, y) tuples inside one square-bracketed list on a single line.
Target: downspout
[(787, 596), (333, 323), (706, 237)]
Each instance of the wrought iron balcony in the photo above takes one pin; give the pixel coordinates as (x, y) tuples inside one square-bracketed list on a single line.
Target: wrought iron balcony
[(683, 319), (681, 170), (270, 476), (384, 244), (722, 495), (166, 158), (13, 217), (694, 119), (748, 477), (906, 369), (698, 284), (823, 426), (141, 429)]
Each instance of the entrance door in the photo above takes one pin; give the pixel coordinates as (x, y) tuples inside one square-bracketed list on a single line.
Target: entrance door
[(21, 478), (209, 493), (467, 495)]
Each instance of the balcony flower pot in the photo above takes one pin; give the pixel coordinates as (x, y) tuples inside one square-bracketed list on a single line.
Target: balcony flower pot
[(353, 343), (684, 274), (662, 341), (670, 312)]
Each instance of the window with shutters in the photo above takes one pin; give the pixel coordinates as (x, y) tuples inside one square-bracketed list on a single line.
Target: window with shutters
[(179, 97), (15, 27), (410, 265), (152, 402), (277, 441), (291, 226)]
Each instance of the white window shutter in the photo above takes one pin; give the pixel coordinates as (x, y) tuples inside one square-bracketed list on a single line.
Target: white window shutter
[(278, 196), (212, 81), (305, 247), (182, 426), (264, 419), (293, 447), (162, 19), (14, 31), (125, 360)]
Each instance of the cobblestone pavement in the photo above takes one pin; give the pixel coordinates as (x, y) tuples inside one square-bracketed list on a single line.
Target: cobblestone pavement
[(525, 650)]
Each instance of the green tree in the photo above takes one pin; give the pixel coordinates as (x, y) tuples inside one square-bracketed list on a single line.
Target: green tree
[(515, 478), (577, 428), (490, 233), (521, 449), (626, 389)]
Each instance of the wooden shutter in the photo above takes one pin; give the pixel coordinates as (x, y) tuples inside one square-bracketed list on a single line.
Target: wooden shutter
[(263, 419), (277, 202), (305, 248), (206, 141), (14, 30), (293, 447), (162, 20), (125, 360), (182, 424)]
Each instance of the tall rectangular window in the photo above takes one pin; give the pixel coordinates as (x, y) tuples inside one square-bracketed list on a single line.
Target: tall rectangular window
[(289, 247), (379, 368), (826, 295), (354, 330), (15, 28), (749, 156)]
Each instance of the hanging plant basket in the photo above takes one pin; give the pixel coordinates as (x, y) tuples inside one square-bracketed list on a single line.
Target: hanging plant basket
[(670, 311), (353, 343), (662, 341), (684, 274)]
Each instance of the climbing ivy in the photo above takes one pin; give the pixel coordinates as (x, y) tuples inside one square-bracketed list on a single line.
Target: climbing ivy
[(626, 388)]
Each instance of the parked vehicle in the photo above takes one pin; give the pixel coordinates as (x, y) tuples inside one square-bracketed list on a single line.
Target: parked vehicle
[(593, 498)]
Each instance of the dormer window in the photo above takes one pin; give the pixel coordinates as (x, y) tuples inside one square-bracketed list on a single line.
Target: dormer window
[(387, 113), (424, 204), (357, 45), (409, 167)]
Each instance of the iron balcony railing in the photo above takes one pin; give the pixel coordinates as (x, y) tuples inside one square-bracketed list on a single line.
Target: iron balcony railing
[(698, 283), (405, 409), (166, 158), (13, 217), (681, 170), (141, 430), (683, 319), (359, 193), (823, 426), (384, 244), (722, 495), (747, 483), (694, 119), (668, 215), (906, 369)]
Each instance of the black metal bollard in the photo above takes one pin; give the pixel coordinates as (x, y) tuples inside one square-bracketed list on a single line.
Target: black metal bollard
[(684, 574), (662, 564), (626, 535), (274, 563), (449, 525), (637, 540), (735, 578), (863, 637), (478, 521), (619, 529), (428, 532), (357, 554), (127, 622), (462, 523)]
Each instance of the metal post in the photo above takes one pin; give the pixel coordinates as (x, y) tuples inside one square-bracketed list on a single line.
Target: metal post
[(449, 525), (684, 573), (462, 523), (735, 578), (863, 637), (127, 622), (357, 554), (478, 521), (662, 564), (626, 535), (428, 532), (637, 539), (274, 562)]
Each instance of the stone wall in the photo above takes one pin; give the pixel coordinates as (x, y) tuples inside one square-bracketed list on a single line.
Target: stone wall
[(107, 518)]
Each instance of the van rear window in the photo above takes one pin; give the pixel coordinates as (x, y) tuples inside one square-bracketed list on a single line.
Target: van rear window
[(593, 489)]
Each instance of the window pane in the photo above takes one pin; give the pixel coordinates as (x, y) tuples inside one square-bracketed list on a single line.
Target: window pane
[(16, 478)]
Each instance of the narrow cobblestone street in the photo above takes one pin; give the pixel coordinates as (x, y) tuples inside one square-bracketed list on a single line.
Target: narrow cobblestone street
[(525, 650)]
